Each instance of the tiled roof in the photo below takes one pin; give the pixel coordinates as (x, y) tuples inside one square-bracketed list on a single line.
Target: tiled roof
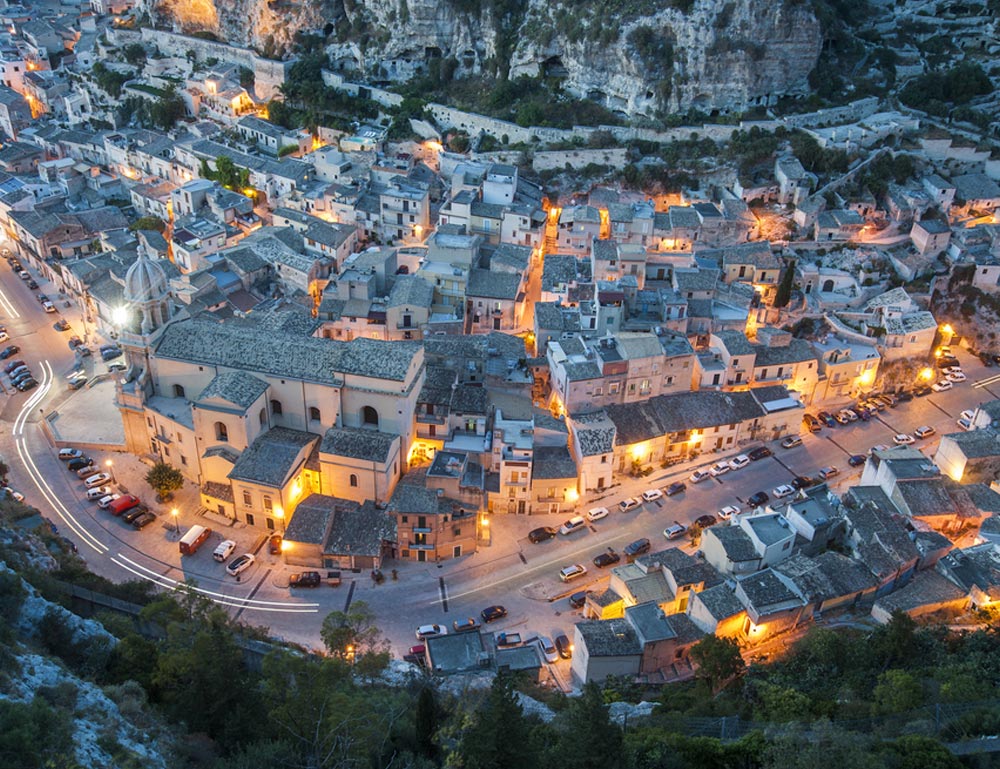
[(737, 543), (764, 589), (355, 443), (360, 531), (411, 291), (552, 462), (609, 638), (720, 601), (595, 433), (679, 412), (269, 459), (493, 285), (237, 387)]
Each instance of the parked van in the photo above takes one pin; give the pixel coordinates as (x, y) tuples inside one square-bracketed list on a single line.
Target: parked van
[(123, 504), (193, 539)]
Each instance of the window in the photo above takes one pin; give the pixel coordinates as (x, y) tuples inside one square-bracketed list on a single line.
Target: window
[(184, 460), (405, 518), (276, 407), (178, 391), (353, 480), (250, 519), (604, 459), (421, 522), (268, 504), (270, 523), (221, 432), (247, 499), (369, 416), (262, 417), (314, 415)]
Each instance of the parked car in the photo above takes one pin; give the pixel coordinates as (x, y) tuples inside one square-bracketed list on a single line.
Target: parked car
[(48, 307), (739, 462), (791, 442), (110, 353), (430, 631), (812, 424), (965, 424), (719, 468), (547, 649), (96, 480), (23, 274), (674, 488), (32, 284), (305, 579), (465, 625), (628, 504), (903, 439), (728, 512), (134, 512), (493, 613), (676, 530), (828, 472), (573, 525), (699, 475), (23, 369), (782, 491), (68, 454), (25, 384), (564, 647), (856, 460), (942, 386), (637, 548), (98, 492), (572, 572), (922, 390), (758, 499), (223, 550), (596, 513), (802, 482), (274, 544), (926, 431), (79, 463), (706, 520), (240, 564), (61, 325), (104, 501), (956, 376), (761, 452), (826, 418), (541, 534), (905, 396), (967, 414), (12, 365), (76, 384), (13, 493), (11, 349), (578, 599), (609, 558), (650, 495), (143, 520)]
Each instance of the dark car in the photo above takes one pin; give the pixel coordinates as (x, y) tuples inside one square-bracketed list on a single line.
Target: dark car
[(77, 382), (827, 419), (704, 521), (27, 384), (274, 544), (110, 353), (610, 558), (904, 396), (578, 599), (8, 351), (61, 325), (802, 482), (564, 647), (541, 534), (134, 513), (922, 390), (674, 488), (305, 579), (856, 460), (493, 613), (637, 548), (760, 452), (75, 341), (79, 463), (987, 359), (14, 364), (20, 376), (83, 351), (143, 520), (758, 499), (465, 625), (32, 284)]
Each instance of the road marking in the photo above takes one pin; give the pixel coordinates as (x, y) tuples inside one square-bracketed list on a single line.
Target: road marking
[(8, 307), (658, 502), (521, 556), (350, 596), (830, 438), (988, 381), (939, 408), (444, 594)]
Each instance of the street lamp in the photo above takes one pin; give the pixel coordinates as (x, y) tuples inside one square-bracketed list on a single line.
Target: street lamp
[(111, 470), (177, 528)]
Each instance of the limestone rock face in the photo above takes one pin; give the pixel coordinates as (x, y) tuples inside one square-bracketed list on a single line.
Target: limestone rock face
[(634, 56)]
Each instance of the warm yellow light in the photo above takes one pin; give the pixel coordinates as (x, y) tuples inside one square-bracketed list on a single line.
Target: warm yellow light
[(119, 315), (927, 374), (866, 377), (249, 192), (109, 463), (285, 545), (174, 512), (279, 512), (638, 451), (947, 329), (937, 353), (433, 145), (572, 495)]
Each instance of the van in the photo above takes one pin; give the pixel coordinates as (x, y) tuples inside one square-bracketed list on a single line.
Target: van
[(224, 550), (193, 539), (123, 504)]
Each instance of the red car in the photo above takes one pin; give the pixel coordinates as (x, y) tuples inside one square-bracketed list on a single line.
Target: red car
[(274, 544)]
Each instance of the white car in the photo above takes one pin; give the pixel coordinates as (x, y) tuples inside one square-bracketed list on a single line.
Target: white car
[(628, 504), (572, 572), (902, 439), (719, 469), (430, 631), (924, 432), (224, 550), (728, 512), (596, 513), (13, 494), (791, 442), (98, 492), (967, 414), (739, 462), (782, 491), (849, 415), (651, 494), (965, 424), (940, 387), (240, 564), (48, 307), (547, 648), (103, 502), (699, 475), (97, 480), (574, 524), (68, 454), (956, 376)]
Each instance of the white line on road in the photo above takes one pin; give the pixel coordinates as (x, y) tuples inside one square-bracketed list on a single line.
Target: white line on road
[(8, 307), (988, 381)]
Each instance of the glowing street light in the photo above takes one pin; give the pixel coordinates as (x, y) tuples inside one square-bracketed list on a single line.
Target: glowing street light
[(177, 527), (111, 470)]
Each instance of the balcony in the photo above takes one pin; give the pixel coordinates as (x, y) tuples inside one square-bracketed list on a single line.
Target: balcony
[(422, 530), (431, 419)]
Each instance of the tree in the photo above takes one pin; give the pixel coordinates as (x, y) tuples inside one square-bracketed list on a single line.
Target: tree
[(134, 53), (896, 692), (784, 290), (352, 634), (590, 740), (719, 661), (500, 736), (164, 479), (148, 223), (426, 723), (226, 173)]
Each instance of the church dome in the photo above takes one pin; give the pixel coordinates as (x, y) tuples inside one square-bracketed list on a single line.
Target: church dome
[(145, 281)]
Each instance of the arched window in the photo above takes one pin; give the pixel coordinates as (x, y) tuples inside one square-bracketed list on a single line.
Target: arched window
[(314, 415), (369, 416), (263, 417), (178, 391), (221, 431), (276, 408), (353, 481)]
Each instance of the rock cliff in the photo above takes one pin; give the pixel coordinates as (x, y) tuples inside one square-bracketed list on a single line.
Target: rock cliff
[(634, 56)]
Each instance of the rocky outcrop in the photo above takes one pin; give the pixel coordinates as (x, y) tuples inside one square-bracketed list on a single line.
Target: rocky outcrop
[(639, 57)]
